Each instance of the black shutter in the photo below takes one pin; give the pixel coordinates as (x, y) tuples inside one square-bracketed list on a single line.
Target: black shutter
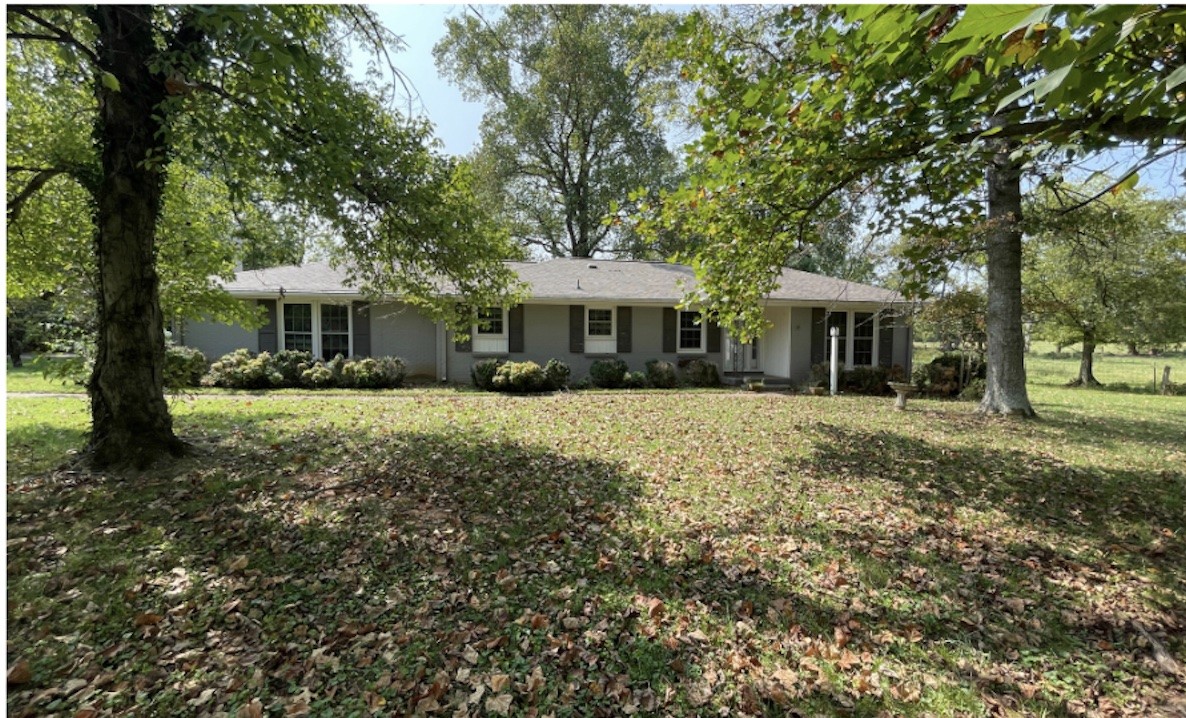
[(625, 330), (669, 319), (576, 328), (515, 332), (819, 336), (267, 333), (362, 328), (714, 336), (885, 342)]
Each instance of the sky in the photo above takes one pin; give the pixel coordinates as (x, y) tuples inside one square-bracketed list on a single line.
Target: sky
[(421, 27)]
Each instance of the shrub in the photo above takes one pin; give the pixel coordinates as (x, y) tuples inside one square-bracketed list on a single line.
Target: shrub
[(374, 373), (942, 376), (974, 391), (557, 373), (290, 364), (482, 373), (661, 374), (184, 366), (520, 377), (634, 380), (867, 380), (319, 376), (608, 373), (700, 372), (243, 370)]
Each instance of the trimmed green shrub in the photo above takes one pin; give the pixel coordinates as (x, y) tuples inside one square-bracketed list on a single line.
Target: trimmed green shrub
[(242, 370), (608, 373), (662, 374), (974, 391), (520, 377), (700, 373), (372, 373), (184, 367), (290, 364), (557, 373), (634, 380), (947, 374), (319, 376), (482, 373)]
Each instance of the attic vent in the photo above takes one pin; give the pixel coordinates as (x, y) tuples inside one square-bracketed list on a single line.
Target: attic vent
[(592, 266)]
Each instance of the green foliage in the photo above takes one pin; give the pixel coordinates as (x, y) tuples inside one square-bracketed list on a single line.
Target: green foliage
[(956, 319), (564, 139), (1112, 270), (608, 373), (289, 369), (557, 373), (863, 380), (482, 373), (634, 380), (701, 373), (661, 374), (374, 373), (524, 377), (241, 369), (951, 374), (184, 366), (827, 101)]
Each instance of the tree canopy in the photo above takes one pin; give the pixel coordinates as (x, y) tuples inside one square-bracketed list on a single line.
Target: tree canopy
[(241, 103), (1113, 271), (571, 126), (941, 110)]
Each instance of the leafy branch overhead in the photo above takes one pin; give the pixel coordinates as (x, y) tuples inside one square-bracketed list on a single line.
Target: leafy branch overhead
[(251, 107)]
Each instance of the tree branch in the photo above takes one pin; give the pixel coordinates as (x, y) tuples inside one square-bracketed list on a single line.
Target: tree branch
[(58, 34), (16, 204)]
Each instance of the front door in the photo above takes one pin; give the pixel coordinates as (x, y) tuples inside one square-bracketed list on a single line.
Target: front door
[(743, 357)]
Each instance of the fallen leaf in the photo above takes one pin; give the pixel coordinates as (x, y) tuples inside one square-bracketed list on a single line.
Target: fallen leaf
[(238, 564), (499, 704), (147, 619), (19, 674), (254, 709), (499, 682)]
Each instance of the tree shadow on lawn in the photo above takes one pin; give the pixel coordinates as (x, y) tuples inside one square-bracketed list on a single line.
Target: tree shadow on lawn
[(411, 569), (1023, 556)]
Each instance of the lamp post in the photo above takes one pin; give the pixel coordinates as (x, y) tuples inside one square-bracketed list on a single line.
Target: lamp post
[(835, 332)]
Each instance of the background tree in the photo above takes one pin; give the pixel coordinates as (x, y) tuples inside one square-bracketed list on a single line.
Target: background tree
[(1113, 271), (942, 109), (571, 125), (242, 92)]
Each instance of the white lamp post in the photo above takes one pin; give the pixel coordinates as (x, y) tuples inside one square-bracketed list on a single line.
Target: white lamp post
[(835, 332)]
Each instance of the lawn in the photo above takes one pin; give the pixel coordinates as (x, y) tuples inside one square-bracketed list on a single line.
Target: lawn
[(605, 553)]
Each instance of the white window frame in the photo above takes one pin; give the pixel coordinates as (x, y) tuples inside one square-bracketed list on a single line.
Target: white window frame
[(679, 323), (598, 344), (489, 342), (850, 360), (315, 307)]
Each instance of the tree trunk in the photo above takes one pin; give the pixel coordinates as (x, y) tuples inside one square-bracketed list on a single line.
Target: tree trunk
[(1086, 361), (1005, 391), (1132, 349), (130, 422)]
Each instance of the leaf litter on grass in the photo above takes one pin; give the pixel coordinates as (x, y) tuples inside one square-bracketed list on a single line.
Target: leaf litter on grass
[(600, 554)]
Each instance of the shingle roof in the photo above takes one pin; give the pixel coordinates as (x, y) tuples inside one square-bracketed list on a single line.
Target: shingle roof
[(586, 280)]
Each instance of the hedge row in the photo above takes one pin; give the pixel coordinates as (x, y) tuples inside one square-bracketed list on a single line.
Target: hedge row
[(241, 369), (528, 377)]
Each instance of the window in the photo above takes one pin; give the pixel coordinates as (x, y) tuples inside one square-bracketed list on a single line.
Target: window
[(490, 333), (599, 331), (335, 331), (491, 321), (691, 332), (862, 339), (840, 321), (323, 330), (298, 327), (601, 322)]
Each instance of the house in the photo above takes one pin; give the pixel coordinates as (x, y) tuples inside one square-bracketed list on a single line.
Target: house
[(579, 310)]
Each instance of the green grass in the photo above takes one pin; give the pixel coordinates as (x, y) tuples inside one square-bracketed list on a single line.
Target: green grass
[(30, 377), (668, 553)]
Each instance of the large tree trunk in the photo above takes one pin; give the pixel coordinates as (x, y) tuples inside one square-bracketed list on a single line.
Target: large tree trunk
[(130, 422), (1087, 360), (1005, 391)]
